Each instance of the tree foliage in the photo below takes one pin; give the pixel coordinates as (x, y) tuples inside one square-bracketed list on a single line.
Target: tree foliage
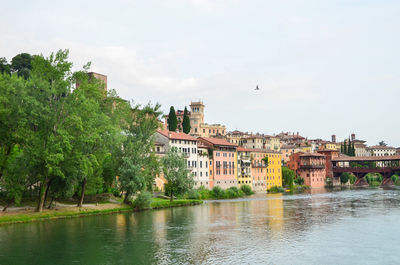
[(172, 120), (186, 122), (58, 140), (288, 177), (179, 180)]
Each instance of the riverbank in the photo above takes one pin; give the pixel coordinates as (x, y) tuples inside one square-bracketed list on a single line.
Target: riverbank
[(25, 216)]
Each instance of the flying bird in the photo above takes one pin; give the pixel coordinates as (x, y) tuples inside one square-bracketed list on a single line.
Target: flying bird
[(257, 88)]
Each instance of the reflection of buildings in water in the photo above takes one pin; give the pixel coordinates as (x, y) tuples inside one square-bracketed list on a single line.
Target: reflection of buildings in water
[(275, 212)]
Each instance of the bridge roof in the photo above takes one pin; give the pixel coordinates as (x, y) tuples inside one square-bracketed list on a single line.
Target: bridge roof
[(365, 158)]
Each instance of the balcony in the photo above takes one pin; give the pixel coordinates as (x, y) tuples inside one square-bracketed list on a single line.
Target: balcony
[(312, 166), (258, 165)]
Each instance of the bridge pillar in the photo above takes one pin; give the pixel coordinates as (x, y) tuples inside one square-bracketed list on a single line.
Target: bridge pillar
[(386, 182), (360, 182)]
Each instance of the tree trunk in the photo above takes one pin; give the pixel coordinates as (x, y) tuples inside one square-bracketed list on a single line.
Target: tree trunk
[(39, 207), (82, 192), (51, 202), (126, 199), (5, 207), (47, 192), (172, 197)]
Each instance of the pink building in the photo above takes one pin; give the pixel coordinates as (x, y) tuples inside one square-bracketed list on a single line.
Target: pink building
[(223, 161), (311, 168)]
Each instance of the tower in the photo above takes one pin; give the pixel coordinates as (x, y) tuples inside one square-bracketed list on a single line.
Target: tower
[(196, 116)]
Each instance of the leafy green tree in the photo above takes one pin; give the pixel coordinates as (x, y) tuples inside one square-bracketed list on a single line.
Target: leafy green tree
[(22, 64), (4, 66), (47, 138), (179, 180), (345, 147), (382, 143), (13, 118), (138, 149), (288, 177), (172, 120), (299, 181), (186, 122), (344, 177)]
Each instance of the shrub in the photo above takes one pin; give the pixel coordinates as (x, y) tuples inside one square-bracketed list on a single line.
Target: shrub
[(205, 193), (276, 189), (246, 189), (218, 192), (344, 178), (230, 193), (394, 178), (193, 194), (352, 179), (142, 201), (299, 181)]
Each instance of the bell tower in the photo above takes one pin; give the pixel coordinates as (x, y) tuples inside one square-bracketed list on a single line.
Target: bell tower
[(196, 117)]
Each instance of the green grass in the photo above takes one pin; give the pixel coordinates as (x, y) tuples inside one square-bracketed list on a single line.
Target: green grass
[(67, 213), (75, 212), (158, 203)]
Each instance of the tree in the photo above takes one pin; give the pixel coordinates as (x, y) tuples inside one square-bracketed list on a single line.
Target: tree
[(186, 122), (137, 150), (382, 143), (288, 177), (353, 149), (22, 64), (344, 147), (179, 180), (344, 177), (299, 181), (172, 120), (4, 66)]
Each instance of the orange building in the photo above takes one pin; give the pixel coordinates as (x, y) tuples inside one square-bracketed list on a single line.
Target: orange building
[(310, 167)]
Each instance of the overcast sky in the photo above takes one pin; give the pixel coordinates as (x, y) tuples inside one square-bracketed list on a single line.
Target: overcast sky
[(323, 67)]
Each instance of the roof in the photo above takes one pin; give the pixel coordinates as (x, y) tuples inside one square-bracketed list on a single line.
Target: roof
[(217, 141), (365, 158), (177, 135), (381, 147), (312, 154)]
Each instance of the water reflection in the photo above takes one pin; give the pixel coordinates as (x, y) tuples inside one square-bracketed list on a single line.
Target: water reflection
[(277, 229)]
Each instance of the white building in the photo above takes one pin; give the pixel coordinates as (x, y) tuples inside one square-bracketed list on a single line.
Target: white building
[(380, 150), (185, 144), (203, 167)]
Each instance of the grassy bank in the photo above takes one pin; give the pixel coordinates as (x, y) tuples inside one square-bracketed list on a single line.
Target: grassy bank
[(70, 212)]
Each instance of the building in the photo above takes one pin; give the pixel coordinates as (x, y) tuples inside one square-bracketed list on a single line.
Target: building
[(274, 169), (244, 166), (258, 169), (185, 144), (102, 78), (329, 154), (272, 143), (310, 167), (288, 150), (223, 160), (198, 127), (254, 142), (287, 138), (381, 150), (203, 167)]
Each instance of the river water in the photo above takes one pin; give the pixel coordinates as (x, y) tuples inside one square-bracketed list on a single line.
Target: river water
[(343, 227)]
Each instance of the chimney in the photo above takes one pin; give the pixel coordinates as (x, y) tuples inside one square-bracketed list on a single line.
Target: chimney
[(333, 138), (353, 136), (169, 134), (297, 133)]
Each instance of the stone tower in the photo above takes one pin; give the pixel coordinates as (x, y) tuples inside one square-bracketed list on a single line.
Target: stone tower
[(196, 116)]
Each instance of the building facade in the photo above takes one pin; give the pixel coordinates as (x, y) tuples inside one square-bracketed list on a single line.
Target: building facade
[(244, 166), (223, 160)]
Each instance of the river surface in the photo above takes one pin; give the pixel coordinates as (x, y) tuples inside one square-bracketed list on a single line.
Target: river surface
[(342, 227)]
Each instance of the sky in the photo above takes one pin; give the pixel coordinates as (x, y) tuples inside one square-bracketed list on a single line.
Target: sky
[(323, 67)]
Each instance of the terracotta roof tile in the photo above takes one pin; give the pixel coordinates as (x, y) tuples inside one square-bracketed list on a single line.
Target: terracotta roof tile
[(217, 141), (177, 135)]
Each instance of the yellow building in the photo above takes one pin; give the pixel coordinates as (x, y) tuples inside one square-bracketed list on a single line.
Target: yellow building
[(274, 172), (306, 149), (243, 166), (330, 146)]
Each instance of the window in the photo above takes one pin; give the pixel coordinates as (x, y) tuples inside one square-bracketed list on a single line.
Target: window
[(201, 163)]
